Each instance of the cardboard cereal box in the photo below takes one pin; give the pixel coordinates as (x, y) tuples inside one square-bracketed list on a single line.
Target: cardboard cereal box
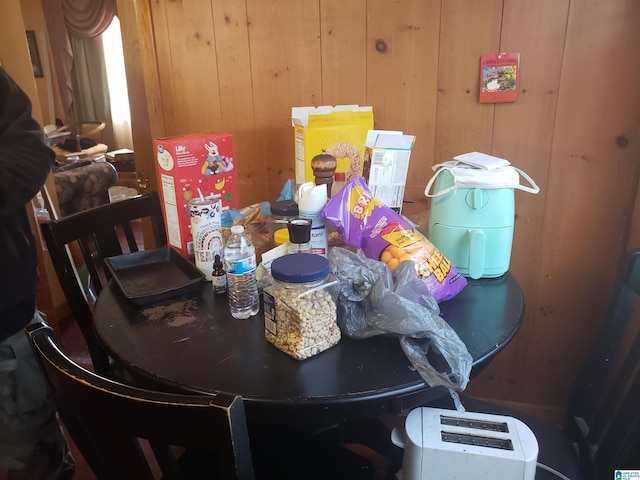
[(340, 131), (189, 166)]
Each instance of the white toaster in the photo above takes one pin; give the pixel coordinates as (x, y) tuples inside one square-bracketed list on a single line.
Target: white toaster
[(450, 444)]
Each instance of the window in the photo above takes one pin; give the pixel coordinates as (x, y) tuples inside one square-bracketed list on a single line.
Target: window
[(117, 84)]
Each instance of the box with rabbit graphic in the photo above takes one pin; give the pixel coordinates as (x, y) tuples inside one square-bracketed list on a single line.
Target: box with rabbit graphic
[(192, 166)]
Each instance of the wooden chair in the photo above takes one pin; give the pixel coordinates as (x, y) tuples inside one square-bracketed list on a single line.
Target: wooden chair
[(92, 130), (106, 418), (75, 133), (601, 433), (98, 232)]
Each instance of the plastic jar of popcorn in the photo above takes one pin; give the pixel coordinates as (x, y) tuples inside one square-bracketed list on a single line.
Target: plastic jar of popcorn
[(299, 305)]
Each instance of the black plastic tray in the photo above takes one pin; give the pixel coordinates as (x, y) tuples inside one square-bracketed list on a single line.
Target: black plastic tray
[(150, 276)]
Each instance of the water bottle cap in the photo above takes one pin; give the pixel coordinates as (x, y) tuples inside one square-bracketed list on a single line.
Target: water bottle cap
[(300, 268), (237, 229)]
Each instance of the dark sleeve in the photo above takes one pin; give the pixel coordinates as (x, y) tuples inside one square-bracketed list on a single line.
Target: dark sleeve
[(25, 157)]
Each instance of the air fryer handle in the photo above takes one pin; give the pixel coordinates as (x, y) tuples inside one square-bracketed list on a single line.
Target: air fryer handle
[(477, 244)]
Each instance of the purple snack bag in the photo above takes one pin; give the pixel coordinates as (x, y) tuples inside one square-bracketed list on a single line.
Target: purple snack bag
[(366, 223)]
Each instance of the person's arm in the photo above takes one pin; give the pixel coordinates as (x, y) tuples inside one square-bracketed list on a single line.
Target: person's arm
[(25, 157)]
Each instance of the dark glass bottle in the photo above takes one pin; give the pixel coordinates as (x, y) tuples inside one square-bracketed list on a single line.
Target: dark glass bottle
[(218, 277)]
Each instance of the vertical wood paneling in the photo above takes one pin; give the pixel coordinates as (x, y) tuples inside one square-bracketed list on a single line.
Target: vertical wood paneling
[(467, 31), (402, 52), (590, 186), (343, 36), (194, 65), (575, 127), (236, 95), (286, 72), (145, 100), (164, 64), (523, 132)]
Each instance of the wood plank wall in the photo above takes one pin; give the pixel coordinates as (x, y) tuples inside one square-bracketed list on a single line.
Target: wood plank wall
[(240, 65)]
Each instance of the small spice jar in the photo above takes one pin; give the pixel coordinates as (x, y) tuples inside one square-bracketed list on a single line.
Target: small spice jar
[(281, 212), (299, 235), (299, 306)]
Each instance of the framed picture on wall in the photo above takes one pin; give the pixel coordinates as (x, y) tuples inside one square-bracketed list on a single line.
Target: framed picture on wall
[(499, 76), (34, 54)]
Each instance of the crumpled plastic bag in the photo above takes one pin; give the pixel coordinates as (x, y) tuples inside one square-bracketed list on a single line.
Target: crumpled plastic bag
[(372, 302), (254, 219), (287, 191)]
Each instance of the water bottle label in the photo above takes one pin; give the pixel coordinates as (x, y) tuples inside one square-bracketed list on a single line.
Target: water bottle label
[(243, 265)]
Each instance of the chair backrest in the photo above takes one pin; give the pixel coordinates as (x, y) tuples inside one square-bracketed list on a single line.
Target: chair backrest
[(106, 419), (98, 232), (603, 413), (92, 130)]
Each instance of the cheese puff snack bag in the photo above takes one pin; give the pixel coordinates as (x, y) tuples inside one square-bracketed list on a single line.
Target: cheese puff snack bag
[(384, 235)]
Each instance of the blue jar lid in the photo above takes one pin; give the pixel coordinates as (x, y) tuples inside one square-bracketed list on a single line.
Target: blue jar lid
[(284, 208), (300, 268)]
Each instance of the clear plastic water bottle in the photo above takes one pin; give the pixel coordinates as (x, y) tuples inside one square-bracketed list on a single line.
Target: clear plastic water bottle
[(240, 264)]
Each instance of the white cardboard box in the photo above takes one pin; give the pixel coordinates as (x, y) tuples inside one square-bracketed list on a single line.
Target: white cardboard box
[(386, 165)]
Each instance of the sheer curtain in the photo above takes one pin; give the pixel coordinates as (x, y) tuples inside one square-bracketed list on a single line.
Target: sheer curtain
[(91, 99)]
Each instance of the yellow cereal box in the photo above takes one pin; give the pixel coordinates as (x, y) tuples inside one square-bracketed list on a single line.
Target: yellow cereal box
[(339, 131)]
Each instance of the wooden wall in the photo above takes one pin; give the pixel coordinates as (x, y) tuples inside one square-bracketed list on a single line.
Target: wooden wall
[(240, 65), (47, 85)]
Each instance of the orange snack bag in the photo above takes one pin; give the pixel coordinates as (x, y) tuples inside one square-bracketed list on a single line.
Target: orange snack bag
[(384, 235)]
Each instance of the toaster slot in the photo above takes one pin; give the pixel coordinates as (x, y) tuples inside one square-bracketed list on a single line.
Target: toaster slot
[(474, 424), (477, 440)]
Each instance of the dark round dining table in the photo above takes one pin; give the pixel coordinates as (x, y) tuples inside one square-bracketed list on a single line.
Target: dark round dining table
[(192, 343)]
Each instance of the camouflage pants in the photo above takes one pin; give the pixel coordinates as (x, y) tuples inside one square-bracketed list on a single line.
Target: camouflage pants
[(32, 445)]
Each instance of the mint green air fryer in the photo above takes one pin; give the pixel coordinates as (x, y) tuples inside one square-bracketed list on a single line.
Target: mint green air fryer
[(473, 227)]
